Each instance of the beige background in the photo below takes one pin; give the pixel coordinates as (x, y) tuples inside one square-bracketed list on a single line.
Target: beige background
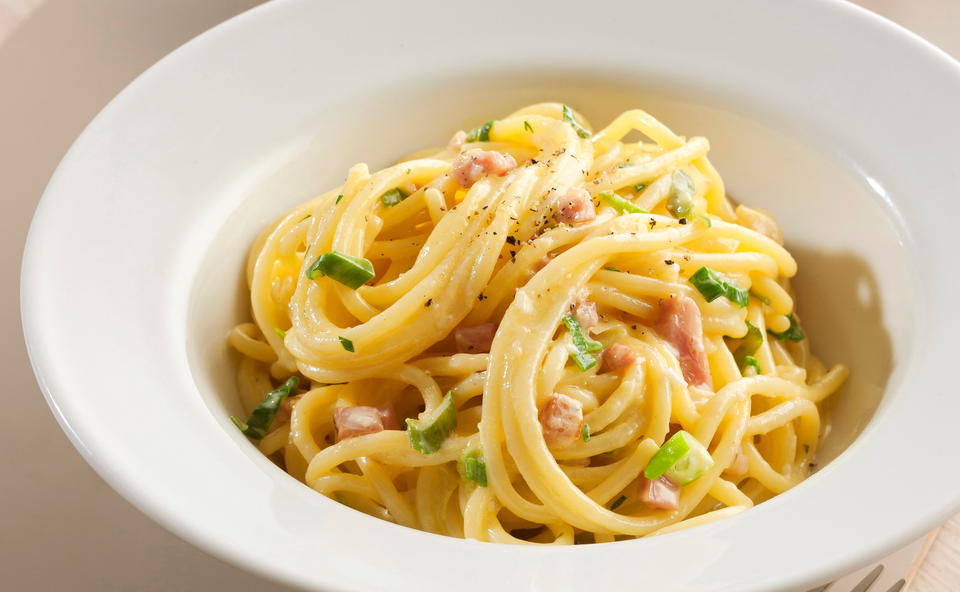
[(60, 525)]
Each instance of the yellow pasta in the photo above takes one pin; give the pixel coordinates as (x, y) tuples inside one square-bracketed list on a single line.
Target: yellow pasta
[(440, 253)]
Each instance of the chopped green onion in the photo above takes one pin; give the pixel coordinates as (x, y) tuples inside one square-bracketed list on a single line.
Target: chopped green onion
[(428, 434), (346, 343), (749, 361), (472, 467), (682, 459), (611, 269), (680, 202), (569, 118), (482, 133), (256, 426), (749, 345), (621, 205), (348, 270), (585, 433), (714, 285), (305, 217), (793, 332), (527, 126), (639, 187), (393, 197), (760, 297), (339, 197), (280, 332), (618, 502), (582, 347), (624, 165)]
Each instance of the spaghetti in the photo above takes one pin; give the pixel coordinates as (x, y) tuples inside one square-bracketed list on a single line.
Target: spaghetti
[(587, 341)]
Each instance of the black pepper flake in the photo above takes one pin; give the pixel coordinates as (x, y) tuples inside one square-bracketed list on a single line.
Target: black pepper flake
[(668, 261), (481, 296), (428, 302), (511, 240), (682, 221), (534, 161), (634, 327), (652, 223)]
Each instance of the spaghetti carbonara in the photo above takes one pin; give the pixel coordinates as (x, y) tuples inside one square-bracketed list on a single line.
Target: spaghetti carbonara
[(539, 334)]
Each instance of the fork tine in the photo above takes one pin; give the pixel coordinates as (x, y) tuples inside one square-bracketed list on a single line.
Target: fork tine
[(868, 580), (898, 586)]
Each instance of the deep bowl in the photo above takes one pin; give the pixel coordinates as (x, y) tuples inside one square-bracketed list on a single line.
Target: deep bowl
[(840, 123)]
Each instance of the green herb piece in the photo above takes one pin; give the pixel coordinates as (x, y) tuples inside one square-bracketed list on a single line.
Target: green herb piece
[(619, 204), (639, 187), (618, 502), (346, 343), (749, 345), (482, 133), (714, 285), (585, 433), (349, 270), (682, 459), (428, 434), (760, 297), (305, 217), (256, 426), (280, 332), (793, 332), (393, 197), (472, 467), (749, 361), (680, 202), (611, 269), (339, 197), (569, 118), (527, 126), (624, 165), (582, 347)]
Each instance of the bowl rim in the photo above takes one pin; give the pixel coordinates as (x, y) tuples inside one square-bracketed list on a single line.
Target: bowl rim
[(40, 335)]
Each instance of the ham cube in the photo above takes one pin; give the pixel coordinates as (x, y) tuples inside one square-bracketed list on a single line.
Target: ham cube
[(660, 494), (618, 357), (576, 207), (357, 421), (475, 164), (476, 339), (561, 419), (680, 326)]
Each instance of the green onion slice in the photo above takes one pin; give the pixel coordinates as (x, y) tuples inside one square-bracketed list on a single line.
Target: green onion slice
[(680, 202), (280, 332), (639, 187), (793, 332), (682, 459), (585, 433), (256, 426), (582, 347), (527, 126), (349, 270), (714, 285), (621, 205), (393, 197), (749, 345), (482, 133), (750, 361), (760, 297), (569, 118), (346, 343), (428, 434), (472, 467)]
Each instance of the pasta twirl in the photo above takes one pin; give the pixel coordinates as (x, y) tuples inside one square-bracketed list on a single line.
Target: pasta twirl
[(536, 335)]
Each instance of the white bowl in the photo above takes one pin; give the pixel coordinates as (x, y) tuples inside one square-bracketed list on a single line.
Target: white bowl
[(839, 122)]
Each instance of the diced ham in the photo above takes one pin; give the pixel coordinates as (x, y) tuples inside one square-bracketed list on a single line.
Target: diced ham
[(576, 207), (586, 313), (762, 222), (473, 164), (457, 141), (388, 417), (476, 339), (357, 421), (561, 419), (286, 408), (660, 494), (680, 325), (618, 357)]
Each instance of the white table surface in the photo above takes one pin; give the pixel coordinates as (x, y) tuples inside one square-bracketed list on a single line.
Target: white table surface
[(61, 527)]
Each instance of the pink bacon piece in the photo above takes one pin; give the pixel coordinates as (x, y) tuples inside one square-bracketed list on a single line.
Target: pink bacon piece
[(680, 325), (618, 357), (476, 339), (363, 420), (561, 419), (586, 313), (474, 164), (576, 207), (660, 494)]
